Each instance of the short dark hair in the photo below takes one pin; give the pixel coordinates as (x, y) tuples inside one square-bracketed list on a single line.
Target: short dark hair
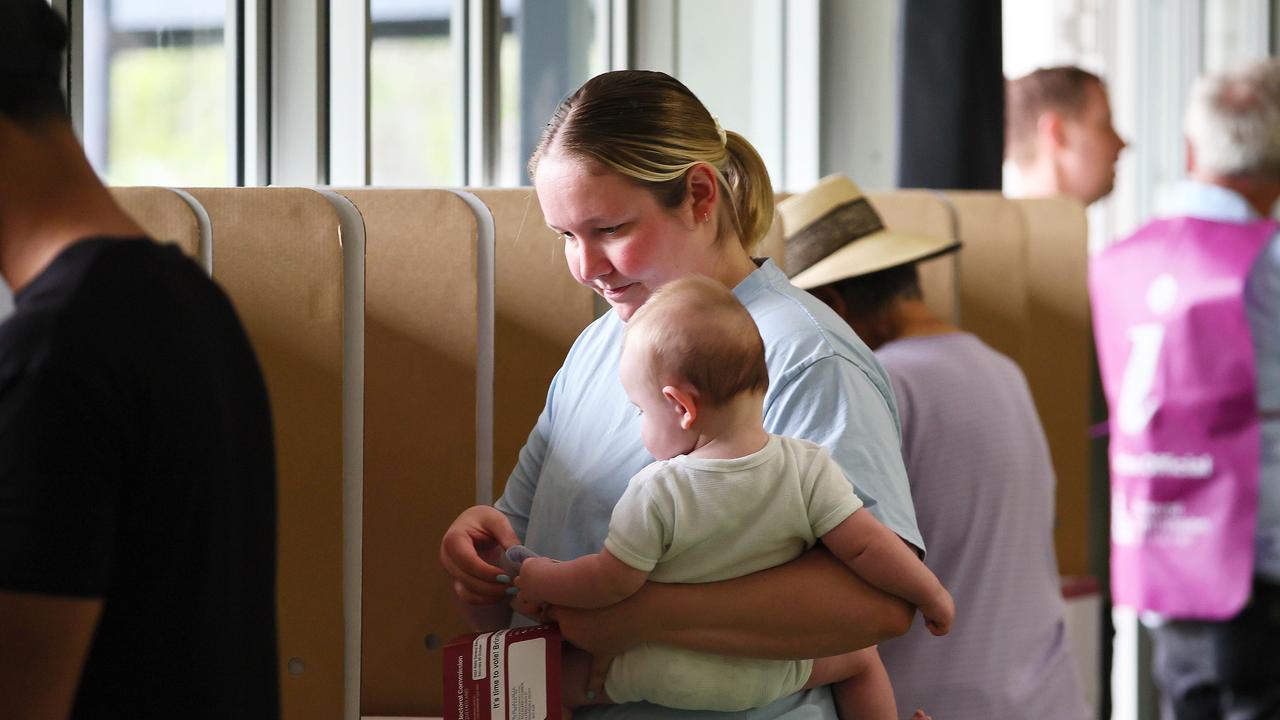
[(869, 298), (1061, 89), (33, 38)]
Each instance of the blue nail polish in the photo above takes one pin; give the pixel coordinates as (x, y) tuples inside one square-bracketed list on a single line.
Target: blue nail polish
[(503, 579), (512, 590)]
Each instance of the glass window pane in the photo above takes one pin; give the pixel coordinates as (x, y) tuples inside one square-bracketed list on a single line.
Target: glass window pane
[(741, 83), (549, 48), (1233, 34), (415, 101), (156, 91)]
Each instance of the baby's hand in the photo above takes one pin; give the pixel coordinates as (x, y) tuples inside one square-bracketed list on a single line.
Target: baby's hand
[(513, 558), (532, 577), (939, 613)]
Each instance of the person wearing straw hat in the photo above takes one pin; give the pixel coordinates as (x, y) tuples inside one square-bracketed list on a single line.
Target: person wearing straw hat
[(978, 464)]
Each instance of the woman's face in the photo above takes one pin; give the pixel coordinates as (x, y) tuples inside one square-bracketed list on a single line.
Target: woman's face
[(618, 240)]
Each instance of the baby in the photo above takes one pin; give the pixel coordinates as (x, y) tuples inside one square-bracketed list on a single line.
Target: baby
[(724, 499)]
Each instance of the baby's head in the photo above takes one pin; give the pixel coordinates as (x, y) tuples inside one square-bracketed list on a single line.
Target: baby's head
[(689, 353)]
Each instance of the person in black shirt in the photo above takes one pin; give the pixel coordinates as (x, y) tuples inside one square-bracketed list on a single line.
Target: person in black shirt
[(137, 467)]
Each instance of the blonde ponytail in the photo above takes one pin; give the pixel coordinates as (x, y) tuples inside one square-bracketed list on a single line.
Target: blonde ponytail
[(748, 181), (649, 127)]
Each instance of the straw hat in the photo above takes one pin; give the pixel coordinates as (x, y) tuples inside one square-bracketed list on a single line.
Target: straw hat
[(833, 233)]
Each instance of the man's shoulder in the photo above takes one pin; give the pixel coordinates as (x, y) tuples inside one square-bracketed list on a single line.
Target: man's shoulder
[(105, 276), (147, 268)]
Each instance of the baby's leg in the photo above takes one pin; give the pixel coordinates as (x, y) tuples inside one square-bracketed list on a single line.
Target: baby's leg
[(575, 671), (859, 683)]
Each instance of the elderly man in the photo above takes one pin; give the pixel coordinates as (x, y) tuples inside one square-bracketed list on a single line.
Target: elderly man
[(1187, 318), (137, 470), (1058, 134)]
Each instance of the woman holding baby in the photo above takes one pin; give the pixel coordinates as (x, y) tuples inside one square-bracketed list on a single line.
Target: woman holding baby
[(645, 187)]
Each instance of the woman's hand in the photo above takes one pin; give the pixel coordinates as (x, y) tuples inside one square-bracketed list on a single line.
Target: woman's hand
[(470, 550)]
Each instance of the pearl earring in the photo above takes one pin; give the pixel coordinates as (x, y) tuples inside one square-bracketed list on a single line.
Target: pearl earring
[(706, 217)]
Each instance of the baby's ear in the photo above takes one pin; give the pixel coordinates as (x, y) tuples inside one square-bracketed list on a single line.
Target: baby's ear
[(513, 558), (684, 403)]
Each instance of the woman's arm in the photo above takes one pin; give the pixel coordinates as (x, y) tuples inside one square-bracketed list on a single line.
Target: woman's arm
[(813, 606), (472, 546)]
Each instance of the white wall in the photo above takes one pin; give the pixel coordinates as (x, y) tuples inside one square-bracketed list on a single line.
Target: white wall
[(859, 99)]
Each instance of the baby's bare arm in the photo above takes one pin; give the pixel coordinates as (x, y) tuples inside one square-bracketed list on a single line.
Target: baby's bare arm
[(881, 558), (591, 581)]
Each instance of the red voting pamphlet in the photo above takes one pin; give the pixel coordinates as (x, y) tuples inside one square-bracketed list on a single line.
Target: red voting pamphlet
[(505, 675)]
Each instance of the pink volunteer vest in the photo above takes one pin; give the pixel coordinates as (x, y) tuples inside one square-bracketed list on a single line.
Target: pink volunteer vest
[(1177, 364)]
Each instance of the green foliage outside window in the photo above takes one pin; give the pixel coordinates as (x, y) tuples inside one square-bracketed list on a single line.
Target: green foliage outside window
[(168, 116), (413, 94)]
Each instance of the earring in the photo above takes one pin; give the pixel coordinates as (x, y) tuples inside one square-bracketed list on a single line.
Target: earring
[(706, 217)]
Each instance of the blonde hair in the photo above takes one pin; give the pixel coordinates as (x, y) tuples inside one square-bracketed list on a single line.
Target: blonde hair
[(695, 330), (649, 127)]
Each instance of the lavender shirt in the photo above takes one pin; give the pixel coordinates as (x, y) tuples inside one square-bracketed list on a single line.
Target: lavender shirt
[(983, 488)]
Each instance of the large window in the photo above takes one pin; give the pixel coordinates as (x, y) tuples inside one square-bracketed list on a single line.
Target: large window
[(415, 98), (548, 49), (740, 80), (156, 91), (429, 92)]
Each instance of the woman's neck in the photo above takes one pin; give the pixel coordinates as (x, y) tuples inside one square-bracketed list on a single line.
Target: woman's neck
[(734, 264)]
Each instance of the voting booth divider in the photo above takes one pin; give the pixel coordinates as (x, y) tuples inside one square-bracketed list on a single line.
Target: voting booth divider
[(1058, 360), (171, 216), (408, 338)]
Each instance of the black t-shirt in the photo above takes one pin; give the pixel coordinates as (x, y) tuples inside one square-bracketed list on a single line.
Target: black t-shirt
[(137, 466)]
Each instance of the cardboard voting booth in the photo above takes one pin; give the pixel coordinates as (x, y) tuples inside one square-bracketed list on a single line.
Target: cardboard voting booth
[(421, 333), (408, 338), (539, 310), (992, 270), (921, 212), (171, 216), (1023, 291), (278, 254), (1059, 360)]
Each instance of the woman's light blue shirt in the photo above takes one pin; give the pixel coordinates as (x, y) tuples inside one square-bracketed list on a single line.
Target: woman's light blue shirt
[(824, 386)]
